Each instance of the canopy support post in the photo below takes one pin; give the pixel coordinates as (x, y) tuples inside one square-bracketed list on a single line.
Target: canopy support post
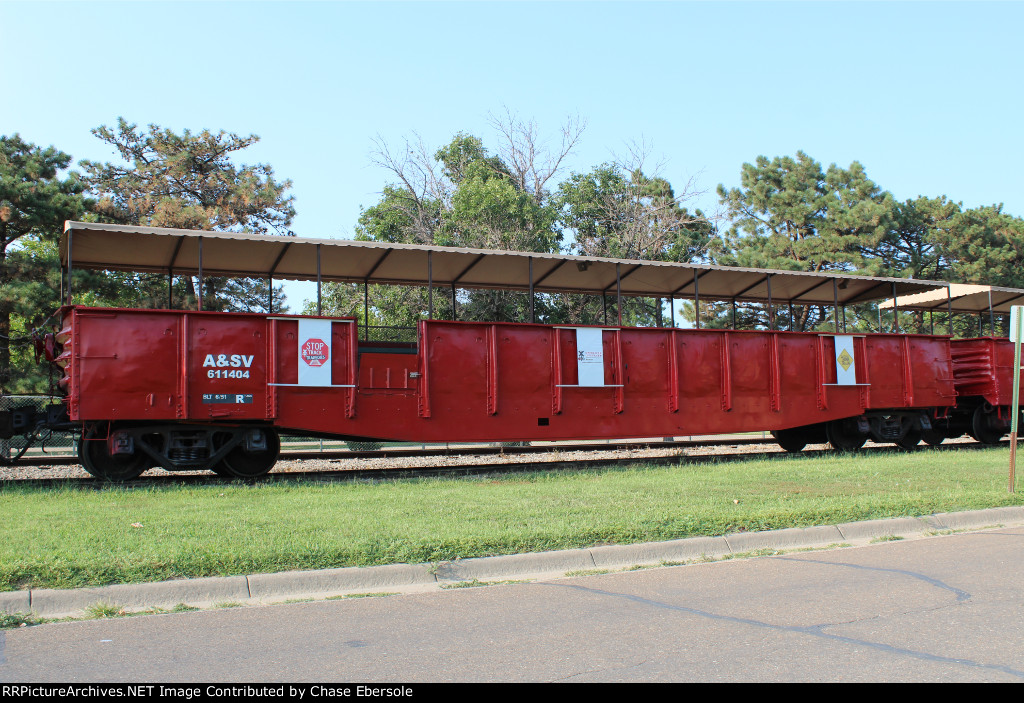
[(895, 310), (618, 294), (949, 308), (533, 316), (991, 315), (170, 273), (70, 266), (319, 299), (835, 304), (696, 297), (199, 303)]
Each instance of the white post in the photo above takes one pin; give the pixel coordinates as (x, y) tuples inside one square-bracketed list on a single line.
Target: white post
[(1016, 317)]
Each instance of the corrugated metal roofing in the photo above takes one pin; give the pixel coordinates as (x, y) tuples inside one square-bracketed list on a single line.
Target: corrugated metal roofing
[(161, 250), (961, 297)]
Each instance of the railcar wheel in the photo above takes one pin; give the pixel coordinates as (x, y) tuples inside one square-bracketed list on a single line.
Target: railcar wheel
[(220, 468), (986, 426), (250, 463), (933, 437), (844, 438), (98, 461), (792, 440), (910, 440)]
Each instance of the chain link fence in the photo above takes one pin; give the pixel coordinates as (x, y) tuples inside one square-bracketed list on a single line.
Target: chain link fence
[(47, 443)]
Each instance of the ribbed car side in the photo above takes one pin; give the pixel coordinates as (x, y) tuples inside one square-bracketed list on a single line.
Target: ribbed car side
[(204, 390)]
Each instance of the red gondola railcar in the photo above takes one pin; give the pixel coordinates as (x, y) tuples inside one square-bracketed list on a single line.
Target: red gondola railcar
[(184, 390)]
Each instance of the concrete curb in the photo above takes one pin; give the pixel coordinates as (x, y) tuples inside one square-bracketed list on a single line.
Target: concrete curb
[(15, 602), (518, 565), (267, 588), (874, 529), (292, 584), (161, 594), (674, 551), (791, 538)]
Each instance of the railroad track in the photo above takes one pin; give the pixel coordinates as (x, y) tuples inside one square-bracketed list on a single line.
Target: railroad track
[(450, 451), (563, 463)]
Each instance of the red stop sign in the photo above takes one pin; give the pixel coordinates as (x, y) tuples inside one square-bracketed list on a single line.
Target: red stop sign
[(315, 352)]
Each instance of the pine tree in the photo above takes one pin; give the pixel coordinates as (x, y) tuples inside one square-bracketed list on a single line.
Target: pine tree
[(188, 181), (35, 200), (790, 214)]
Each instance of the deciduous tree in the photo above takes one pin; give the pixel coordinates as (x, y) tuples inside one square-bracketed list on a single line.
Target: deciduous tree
[(616, 210), (461, 194)]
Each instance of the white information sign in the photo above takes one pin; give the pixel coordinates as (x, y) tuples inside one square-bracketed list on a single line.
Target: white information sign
[(846, 361), (314, 352), (1014, 330), (589, 356)]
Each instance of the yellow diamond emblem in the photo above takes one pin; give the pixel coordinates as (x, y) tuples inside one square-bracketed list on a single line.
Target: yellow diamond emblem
[(845, 360)]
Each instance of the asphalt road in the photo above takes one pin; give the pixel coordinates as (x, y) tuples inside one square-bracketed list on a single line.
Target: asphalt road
[(945, 608)]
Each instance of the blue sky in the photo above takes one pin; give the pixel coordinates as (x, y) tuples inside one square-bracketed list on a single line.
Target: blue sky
[(926, 95)]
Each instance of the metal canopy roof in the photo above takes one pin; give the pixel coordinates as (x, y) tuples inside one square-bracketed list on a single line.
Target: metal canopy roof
[(960, 297), (161, 250)]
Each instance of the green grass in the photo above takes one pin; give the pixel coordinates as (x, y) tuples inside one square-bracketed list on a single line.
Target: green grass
[(887, 538), (9, 621), (98, 611), (105, 610), (588, 572), (477, 583), (71, 537)]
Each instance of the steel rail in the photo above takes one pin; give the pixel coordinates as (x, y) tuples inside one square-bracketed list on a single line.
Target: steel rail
[(393, 473), (65, 460)]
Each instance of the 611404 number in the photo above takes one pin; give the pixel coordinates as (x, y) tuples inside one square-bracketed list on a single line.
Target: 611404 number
[(227, 373)]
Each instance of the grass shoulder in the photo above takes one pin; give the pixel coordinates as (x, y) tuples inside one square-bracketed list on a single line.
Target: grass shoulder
[(73, 537)]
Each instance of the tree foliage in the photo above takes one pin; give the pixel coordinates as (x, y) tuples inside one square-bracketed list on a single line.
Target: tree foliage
[(984, 245), (787, 213), (35, 200), (462, 194), (791, 214), (626, 214), (616, 210), (911, 245), (189, 181)]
